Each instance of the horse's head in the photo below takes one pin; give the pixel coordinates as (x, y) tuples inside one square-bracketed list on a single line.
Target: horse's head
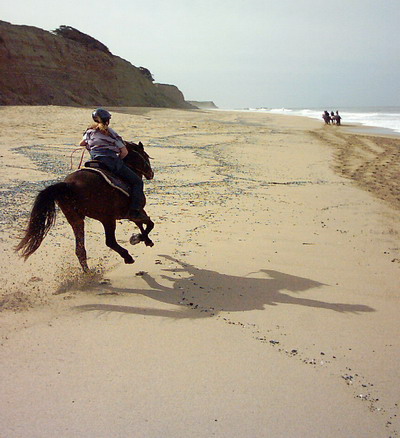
[(138, 159)]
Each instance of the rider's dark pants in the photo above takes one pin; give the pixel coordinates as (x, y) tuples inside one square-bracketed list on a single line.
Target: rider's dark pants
[(119, 168)]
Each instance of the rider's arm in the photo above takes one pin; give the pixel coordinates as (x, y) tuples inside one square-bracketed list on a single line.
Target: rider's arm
[(85, 143), (123, 152)]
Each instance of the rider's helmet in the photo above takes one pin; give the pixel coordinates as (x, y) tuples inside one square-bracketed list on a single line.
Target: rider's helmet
[(101, 115)]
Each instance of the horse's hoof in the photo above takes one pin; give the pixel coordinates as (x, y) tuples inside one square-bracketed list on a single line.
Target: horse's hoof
[(135, 239), (149, 243), (129, 261)]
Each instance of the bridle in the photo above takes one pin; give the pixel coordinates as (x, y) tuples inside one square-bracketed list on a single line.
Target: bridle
[(146, 161)]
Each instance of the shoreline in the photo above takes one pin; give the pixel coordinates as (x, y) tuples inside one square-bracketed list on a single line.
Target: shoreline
[(353, 126), (261, 299), (372, 130)]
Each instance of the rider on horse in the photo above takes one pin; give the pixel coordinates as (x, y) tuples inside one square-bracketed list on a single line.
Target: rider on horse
[(106, 146)]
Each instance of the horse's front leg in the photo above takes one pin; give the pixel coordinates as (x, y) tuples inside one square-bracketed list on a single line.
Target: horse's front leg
[(111, 241), (144, 236)]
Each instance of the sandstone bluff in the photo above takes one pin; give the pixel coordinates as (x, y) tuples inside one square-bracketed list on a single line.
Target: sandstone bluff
[(68, 67)]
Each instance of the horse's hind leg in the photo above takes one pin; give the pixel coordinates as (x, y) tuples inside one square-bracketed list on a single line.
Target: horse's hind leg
[(78, 225), (111, 242)]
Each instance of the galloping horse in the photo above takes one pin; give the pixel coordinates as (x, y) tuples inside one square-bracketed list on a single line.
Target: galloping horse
[(86, 193)]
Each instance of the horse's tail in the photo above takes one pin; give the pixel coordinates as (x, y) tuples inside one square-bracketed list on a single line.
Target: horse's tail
[(43, 217)]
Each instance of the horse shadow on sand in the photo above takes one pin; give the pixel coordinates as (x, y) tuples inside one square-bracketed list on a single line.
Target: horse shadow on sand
[(201, 293)]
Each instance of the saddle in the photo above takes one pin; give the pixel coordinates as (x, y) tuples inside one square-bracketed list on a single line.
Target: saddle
[(109, 177)]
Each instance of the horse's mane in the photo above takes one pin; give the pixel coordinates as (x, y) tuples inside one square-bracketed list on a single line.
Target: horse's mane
[(137, 147)]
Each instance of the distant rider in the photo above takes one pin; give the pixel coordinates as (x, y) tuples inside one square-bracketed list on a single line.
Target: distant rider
[(326, 117), (106, 146)]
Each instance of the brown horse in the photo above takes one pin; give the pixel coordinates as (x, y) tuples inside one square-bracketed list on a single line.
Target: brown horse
[(85, 193)]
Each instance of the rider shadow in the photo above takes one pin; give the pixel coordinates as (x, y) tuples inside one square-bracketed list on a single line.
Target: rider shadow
[(202, 293)]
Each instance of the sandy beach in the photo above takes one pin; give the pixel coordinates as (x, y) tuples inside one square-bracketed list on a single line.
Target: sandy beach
[(268, 306)]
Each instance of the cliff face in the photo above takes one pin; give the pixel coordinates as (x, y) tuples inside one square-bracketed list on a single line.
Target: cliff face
[(173, 93), (207, 104), (41, 68)]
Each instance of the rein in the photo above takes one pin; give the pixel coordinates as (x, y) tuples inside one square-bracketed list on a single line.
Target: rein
[(145, 159), (146, 162), (80, 162)]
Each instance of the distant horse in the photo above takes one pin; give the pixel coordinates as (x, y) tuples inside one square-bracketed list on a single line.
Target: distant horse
[(85, 193), (326, 117), (337, 118)]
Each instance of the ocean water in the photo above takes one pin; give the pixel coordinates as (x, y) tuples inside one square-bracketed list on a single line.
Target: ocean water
[(377, 117)]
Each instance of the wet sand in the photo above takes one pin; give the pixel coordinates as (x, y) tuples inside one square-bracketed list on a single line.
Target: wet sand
[(267, 307)]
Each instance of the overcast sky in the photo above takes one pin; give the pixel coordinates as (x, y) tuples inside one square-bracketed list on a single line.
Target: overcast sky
[(245, 53)]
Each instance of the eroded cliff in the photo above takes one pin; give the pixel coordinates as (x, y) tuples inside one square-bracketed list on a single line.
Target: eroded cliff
[(38, 67)]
